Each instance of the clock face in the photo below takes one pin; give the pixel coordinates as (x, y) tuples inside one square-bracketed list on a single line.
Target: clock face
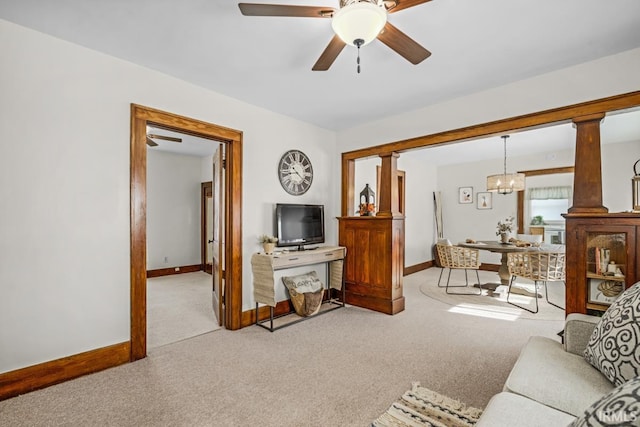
[(295, 172)]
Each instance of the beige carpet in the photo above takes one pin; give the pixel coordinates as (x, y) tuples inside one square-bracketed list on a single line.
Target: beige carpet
[(494, 303), (343, 368), (178, 307)]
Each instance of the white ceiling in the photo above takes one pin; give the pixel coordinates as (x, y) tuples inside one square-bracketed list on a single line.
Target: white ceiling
[(266, 61)]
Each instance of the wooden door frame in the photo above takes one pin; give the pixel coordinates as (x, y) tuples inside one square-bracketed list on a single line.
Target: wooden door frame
[(203, 224), (140, 117), (535, 172)]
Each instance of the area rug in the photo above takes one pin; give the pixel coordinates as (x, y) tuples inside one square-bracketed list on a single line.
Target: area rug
[(423, 407), (491, 303)]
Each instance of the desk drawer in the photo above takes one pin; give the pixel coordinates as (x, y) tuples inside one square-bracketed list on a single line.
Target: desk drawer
[(307, 258)]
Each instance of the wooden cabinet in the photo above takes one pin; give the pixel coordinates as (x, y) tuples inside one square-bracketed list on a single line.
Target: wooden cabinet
[(603, 259), (537, 230), (374, 263)]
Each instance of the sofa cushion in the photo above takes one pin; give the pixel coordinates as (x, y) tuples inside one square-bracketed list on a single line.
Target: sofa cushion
[(509, 410), (546, 373), (619, 407), (614, 347)]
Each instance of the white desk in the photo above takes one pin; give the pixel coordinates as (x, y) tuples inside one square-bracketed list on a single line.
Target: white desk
[(263, 267)]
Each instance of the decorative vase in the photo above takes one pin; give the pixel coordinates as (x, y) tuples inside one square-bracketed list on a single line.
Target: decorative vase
[(268, 247), (504, 237)]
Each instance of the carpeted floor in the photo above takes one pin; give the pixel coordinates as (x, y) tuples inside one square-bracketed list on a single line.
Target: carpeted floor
[(495, 302), (344, 368), (178, 307)]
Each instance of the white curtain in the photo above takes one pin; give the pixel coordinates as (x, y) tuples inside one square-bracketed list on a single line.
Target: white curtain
[(545, 193)]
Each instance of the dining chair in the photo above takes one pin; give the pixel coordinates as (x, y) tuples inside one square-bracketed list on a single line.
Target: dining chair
[(457, 257), (539, 267)]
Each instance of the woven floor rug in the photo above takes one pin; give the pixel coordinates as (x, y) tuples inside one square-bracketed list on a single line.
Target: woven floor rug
[(491, 303), (422, 407)]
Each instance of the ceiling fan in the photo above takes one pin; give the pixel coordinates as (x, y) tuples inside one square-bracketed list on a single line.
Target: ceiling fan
[(152, 136), (356, 22)]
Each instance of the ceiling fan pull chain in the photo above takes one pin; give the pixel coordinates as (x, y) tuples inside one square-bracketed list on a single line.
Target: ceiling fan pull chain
[(358, 43)]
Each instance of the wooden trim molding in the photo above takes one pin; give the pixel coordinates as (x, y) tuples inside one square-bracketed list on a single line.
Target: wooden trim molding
[(140, 117), (46, 374), (174, 270), (557, 115), (281, 308), (418, 267)]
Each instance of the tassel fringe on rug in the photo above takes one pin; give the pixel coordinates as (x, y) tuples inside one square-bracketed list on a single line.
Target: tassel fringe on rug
[(421, 407)]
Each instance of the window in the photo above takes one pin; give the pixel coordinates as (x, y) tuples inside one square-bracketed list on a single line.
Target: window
[(549, 203)]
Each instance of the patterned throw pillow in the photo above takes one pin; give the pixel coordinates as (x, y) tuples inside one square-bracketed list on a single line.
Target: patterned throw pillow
[(302, 283), (614, 347), (619, 407)]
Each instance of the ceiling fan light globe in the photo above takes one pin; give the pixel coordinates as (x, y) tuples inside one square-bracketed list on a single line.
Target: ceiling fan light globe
[(362, 20)]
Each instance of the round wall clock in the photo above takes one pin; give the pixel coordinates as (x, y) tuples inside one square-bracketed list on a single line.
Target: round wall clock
[(295, 172)]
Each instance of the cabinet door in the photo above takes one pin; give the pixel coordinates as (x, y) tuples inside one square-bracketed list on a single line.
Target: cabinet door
[(603, 258)]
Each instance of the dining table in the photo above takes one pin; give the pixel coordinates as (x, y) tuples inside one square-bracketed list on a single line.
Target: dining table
[(501, 248)]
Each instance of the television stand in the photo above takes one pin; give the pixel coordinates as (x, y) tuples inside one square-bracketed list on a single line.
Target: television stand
[(263, 267), (302, 248)]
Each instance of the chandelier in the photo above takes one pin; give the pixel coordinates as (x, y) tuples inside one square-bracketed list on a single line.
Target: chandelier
[(505, 183)]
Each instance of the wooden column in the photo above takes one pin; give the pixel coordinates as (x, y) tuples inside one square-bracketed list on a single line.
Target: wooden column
[(388, 191), (587, 179), (348, 184)]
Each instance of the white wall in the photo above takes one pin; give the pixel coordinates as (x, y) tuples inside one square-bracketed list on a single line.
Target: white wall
[(173, 210), (64, 168), (462, 221), (601, 78), (206, 173), (617, 170), (420, 227), (608, 76)]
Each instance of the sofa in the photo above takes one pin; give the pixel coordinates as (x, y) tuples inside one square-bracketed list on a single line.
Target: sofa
[(561, 384)]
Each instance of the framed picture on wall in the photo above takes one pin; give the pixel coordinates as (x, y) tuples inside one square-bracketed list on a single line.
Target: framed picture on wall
[(484, 200), (602, 291), (465, 195)]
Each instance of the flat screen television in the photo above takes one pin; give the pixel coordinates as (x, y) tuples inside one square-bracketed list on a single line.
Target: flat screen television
[(299, 225)]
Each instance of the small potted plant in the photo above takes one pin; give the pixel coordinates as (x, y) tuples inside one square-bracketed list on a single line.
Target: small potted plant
[(504, 229), (268, 243)]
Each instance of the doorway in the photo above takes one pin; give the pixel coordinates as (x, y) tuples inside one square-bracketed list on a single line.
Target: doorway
[(232, 140), (206, 221)]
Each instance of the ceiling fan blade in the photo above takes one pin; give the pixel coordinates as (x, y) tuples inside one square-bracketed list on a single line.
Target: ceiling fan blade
[(166, 138), (398, 5), (404, 45), (255, 9), (151, 143), (330, 54)]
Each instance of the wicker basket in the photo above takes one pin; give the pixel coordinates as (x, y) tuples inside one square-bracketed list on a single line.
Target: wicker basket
[(308, 303)]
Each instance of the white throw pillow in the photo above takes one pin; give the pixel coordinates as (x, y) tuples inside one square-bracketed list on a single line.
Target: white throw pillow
[(614, 347)]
